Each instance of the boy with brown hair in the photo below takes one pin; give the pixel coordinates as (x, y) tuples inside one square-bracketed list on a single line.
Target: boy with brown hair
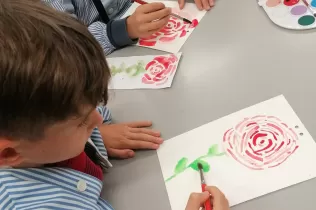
[(53, 75)]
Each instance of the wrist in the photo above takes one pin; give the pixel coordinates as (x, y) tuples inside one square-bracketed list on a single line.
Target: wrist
[(130, 29)]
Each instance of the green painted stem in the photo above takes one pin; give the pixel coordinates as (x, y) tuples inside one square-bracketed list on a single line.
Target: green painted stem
[(201, 157)]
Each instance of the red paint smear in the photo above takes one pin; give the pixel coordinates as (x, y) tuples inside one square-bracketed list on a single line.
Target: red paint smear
[(253, 156), (168, 39), (233, 156), (271, 149), (290, 2), (258, 135), (183, 33), (267, 147), (225, 134), (147, 43), (253, 123), (150, 64), (280, 146), (253, 150), (276, 127), (195, 22), (254, 134)]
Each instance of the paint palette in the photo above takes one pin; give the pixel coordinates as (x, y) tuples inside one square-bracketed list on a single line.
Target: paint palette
[(290, 14)]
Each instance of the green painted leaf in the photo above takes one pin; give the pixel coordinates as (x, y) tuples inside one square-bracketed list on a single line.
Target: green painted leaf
[(181, 165), (213, 150), (194, 165)]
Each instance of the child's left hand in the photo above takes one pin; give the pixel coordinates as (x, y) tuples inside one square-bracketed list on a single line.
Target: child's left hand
[(201, 4), (121, 139)]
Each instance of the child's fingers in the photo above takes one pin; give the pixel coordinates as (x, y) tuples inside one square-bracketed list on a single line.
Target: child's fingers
[(206, 4), (155, 16), (212, 2), (139, 124), (144, 137), (146, 131), (120, 153), (152, 7), (181, 3), (156, 25), (140, 144), (199, 4)]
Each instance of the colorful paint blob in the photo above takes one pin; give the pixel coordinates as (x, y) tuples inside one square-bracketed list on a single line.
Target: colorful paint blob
[(290, 2), (306, 20), (299, 10), (273, 3), (313, 3)]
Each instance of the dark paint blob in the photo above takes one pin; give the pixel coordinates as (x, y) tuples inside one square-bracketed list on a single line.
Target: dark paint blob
[(306, 20), (290, 2)]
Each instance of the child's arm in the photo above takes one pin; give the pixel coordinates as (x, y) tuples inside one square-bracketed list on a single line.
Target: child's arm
[(111, 36)]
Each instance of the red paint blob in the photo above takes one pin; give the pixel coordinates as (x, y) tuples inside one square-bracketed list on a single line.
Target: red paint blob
[(290, 2)]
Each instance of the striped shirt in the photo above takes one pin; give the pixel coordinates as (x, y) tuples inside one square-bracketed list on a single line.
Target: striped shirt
[(111, 36), (53, 187)]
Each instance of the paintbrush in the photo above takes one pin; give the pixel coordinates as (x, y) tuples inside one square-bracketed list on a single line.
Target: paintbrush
[(172, 14), (207, 204), (309, 7)]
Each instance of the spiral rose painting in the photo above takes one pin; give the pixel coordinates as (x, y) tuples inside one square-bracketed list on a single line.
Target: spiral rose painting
[(176, 32), (247, 154), (143, 72), (261, 142)]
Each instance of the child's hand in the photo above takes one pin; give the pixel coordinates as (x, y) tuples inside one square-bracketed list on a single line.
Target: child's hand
[(147, 20), (121, 139), (201, 4), (218, 199)]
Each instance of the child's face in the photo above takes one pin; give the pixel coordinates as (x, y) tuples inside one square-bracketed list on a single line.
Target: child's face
[(62, 141)]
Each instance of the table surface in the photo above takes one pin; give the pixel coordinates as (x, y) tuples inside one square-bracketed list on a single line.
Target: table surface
[(235, 58)]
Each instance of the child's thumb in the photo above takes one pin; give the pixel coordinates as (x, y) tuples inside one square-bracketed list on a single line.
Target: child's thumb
[(197, 200)]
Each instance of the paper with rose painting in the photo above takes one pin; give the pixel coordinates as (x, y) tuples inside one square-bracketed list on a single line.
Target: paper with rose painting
[(173, 36), (143, 72), (247, 154)]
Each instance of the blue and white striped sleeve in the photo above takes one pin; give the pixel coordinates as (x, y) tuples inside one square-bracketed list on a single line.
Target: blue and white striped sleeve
[(111, 36)]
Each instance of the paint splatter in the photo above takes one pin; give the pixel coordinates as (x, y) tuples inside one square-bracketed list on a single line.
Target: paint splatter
[(290, 2), (159, 69), (260, 142), (174, 29), (306, 20), (273, 3), (313, 3), (299, 10)]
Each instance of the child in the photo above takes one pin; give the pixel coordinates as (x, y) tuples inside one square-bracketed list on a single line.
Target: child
[(53, 75), (113, 33)]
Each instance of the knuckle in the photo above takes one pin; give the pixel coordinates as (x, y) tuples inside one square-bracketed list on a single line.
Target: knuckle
[(193, 196)]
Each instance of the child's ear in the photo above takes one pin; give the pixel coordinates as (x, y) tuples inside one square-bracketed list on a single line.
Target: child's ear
[(8, 154)]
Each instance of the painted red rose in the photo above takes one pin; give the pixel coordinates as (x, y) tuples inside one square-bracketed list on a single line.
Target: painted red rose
[(260, 142), (159, 69), (174, 28)]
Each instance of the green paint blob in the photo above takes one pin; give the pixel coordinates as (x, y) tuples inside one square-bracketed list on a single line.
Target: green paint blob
[(206, 166), (306, 20), (181, 165)]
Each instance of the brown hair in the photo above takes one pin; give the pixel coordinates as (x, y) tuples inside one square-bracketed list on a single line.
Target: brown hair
[(50, 66)]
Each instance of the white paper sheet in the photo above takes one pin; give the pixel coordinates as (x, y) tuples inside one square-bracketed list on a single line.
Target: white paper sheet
[(173, 36), (284, 164), (143, 72)]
